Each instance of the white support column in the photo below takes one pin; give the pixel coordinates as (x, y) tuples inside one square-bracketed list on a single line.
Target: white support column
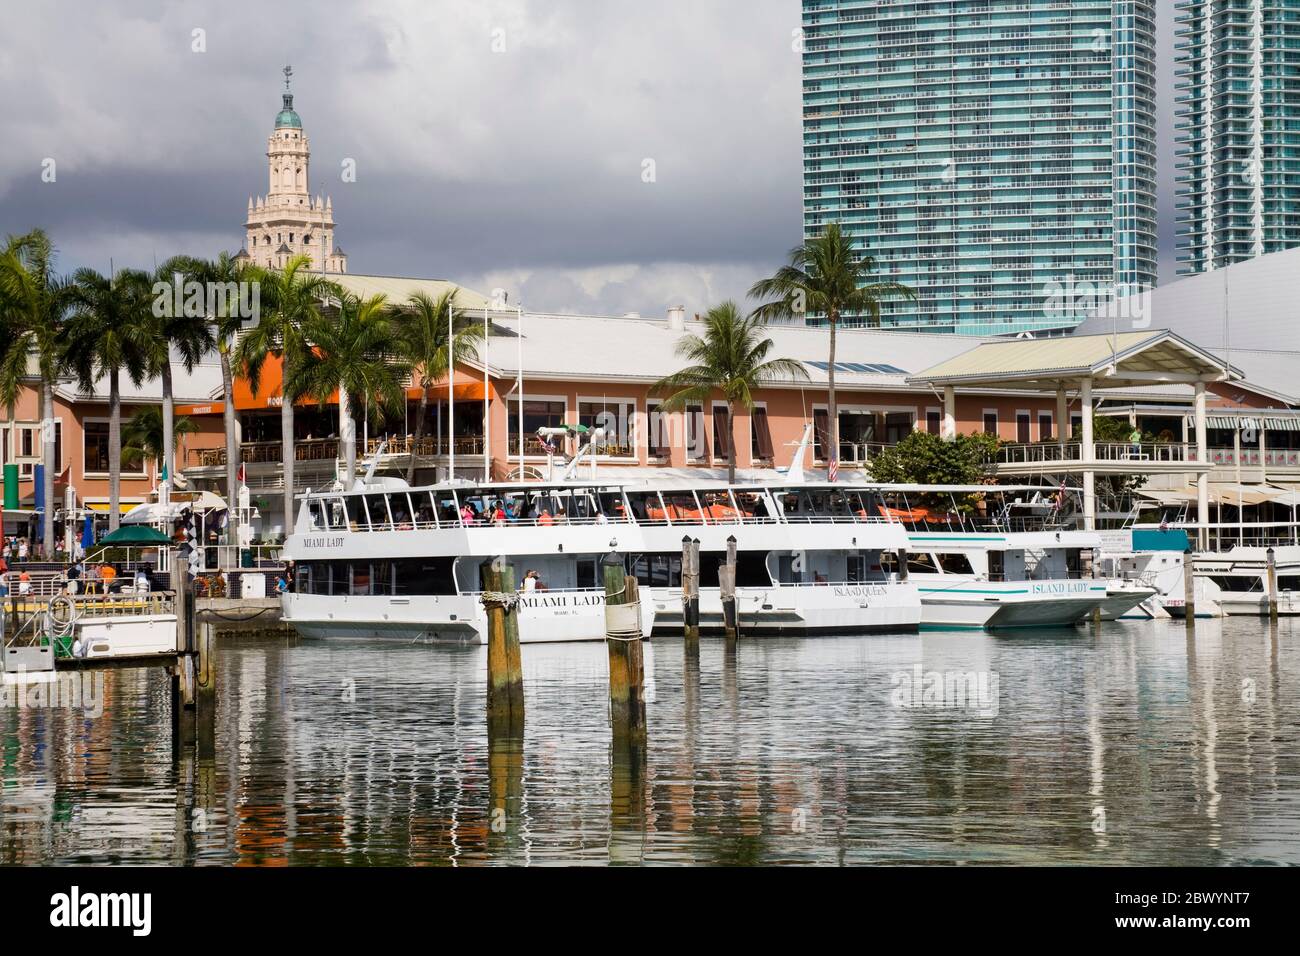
[(949, 431), (1088, 454), (1202, 480), (1062, 418)]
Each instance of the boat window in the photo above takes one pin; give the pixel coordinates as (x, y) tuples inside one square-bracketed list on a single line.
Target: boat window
[(645, 506), (997, 565), (921, 564), (955, 563), (752, 505), (426, 510), (681, 506), (588, 574), (377, 507), (399, 505), (360, 579), (356, 509), (858, 504), (719, 507), (612, 505), (337, 512)]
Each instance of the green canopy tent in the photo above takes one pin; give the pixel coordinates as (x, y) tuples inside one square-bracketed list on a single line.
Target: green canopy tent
[(134, 536)]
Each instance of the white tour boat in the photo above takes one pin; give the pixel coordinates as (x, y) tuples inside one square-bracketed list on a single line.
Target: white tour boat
[(996, 556), (384, 560)]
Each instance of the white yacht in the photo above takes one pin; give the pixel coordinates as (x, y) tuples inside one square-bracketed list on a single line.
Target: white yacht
[(1236, 580), (384, 560), (996, 556)]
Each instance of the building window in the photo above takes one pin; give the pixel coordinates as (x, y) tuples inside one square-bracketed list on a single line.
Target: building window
[(658, 440), (721, 433), (618, 418), (991, 423), (934, 422), (760, 437), (1022, 428), (696, 446), (95, 435), (1045, 426), (537, 414)]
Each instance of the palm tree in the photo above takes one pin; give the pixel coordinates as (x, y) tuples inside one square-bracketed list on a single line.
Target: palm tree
[(110, 334), (826, 276), (423, 343), (36, 303), (290, 302), (353, 351), (182, 333), (143, 435), (732, 358), (226, 325)]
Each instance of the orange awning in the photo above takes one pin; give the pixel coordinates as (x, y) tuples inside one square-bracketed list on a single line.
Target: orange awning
[(471, 391), (210, 408)]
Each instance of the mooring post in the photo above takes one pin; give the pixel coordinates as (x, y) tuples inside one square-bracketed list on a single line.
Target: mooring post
[(623, 641), (1189, 589), (205, 689), (184, 727), (505, 686), (727, 590), (690, 589), (1272, 585)]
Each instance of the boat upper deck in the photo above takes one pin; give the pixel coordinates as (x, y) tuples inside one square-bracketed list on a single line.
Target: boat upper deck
[(385, 507)]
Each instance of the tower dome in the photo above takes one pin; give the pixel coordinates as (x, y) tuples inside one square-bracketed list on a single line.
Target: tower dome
[(287, 118)]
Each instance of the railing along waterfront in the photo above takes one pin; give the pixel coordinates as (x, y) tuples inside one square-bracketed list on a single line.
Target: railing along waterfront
[(1020, 453)]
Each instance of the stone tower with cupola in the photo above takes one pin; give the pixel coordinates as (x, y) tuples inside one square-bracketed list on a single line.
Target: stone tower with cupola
[(287, 221)]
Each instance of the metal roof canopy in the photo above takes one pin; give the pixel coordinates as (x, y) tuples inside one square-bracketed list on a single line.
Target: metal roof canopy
[(1127, 360)]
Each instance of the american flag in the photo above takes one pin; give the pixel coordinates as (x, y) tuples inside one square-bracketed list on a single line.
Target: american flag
[(835, 468)]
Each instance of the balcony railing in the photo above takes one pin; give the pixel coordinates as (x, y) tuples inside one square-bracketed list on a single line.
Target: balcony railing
[(1253, 458), (1072, 451)]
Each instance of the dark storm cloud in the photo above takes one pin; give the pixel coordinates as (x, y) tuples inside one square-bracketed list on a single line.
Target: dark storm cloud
[(522, 167)]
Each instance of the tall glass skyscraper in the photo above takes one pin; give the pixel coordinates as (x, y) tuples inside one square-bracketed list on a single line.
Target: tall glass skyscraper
[(996, 155), (1239, 130)]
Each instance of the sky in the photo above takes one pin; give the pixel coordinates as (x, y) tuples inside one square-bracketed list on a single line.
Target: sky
[(592, 156)]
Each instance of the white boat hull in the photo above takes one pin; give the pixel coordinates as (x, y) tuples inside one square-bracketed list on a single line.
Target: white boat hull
[(800, 609), (545, 617), (947, 604)]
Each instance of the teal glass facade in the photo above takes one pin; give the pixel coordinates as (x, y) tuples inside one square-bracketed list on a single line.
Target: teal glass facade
[(1238, 130), (998, 156)]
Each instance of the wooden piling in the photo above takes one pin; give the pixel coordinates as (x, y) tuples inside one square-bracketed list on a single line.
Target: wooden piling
[(1272, 585), (1189, 589), (623, 641), (205, 690), (505, 683), (727, 591), (691, 589), (184, 715)]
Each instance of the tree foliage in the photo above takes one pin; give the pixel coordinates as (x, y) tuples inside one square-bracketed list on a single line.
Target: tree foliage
[(925, 459)]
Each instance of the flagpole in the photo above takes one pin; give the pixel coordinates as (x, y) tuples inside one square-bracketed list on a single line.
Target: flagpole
[(519, 343), (451, 399)]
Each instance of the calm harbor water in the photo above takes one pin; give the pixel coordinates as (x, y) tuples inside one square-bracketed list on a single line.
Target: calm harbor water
[(1130, 745)]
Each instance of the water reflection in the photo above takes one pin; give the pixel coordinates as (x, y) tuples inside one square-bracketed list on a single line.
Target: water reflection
[(1132, 744)]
